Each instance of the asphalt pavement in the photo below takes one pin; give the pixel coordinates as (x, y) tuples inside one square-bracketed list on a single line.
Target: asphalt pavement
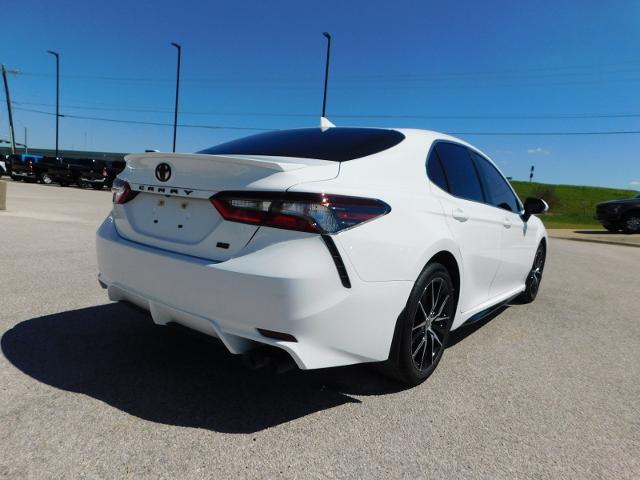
[(93, 389)]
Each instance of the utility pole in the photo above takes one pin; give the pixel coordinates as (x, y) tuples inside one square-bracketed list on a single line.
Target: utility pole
[(326, 73), (10, 112), (175, 111), (26, 149), (57, 55)]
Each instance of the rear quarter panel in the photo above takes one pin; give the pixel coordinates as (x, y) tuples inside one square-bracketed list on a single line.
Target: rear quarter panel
[(398, 245)]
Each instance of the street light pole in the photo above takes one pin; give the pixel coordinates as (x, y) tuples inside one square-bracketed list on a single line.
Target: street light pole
[(9, 110), (175, 112), (326, 73), (57, 55)]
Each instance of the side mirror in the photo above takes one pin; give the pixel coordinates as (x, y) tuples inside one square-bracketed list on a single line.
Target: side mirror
[(533, 206)]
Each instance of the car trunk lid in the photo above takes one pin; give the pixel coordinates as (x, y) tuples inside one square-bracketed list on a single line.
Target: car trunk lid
[(172, 210)]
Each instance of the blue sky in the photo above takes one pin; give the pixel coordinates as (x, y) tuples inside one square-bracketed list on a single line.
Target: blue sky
[(252, 64)]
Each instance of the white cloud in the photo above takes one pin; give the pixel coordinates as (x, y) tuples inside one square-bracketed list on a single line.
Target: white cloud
[(635, 183), (537, 151)]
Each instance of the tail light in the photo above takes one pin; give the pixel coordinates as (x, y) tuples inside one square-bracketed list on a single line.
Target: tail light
[(104, 172), (30, 166), (304, 212), (122, 192)]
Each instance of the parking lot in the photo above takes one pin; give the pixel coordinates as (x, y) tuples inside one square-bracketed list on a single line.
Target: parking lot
[(91, 388)]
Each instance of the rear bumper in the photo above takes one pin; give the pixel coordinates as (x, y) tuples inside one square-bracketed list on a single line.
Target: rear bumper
[(279, 283), (93, 178), (31, 176)]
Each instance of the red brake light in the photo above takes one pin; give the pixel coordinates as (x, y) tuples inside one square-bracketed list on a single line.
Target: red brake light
[(104, 172), (122, 192), (30, 166), (305, 212)]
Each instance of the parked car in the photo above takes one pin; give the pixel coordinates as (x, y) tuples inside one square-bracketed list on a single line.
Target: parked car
[(68, 171), (100, 173), (26, 167), (58, 170), (83, 172), (336, 246), (616, 215), (4, 165), (113, 169)]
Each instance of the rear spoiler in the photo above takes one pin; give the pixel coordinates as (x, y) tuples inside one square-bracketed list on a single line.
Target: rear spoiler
[(277, 164)]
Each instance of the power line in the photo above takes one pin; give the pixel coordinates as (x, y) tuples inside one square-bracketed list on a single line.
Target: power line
[(382, 116), (223, 127), (544, 71), (387, 83), (139, 122), (534, 134)]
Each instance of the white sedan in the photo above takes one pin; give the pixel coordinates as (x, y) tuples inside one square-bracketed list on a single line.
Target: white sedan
[(331, 246)]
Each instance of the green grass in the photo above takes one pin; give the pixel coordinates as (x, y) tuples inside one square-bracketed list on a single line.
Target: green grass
[(570, 206)]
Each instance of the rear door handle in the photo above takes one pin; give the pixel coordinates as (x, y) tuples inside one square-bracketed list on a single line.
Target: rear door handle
[(459, 215), (506, 223)]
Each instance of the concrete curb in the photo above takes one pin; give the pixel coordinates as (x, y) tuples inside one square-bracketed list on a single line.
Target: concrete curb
[(594, 240)]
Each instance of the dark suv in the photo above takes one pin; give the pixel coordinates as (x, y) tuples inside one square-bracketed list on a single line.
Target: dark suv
[(622, 215)]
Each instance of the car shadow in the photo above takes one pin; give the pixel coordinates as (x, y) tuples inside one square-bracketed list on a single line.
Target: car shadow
[(117, 355)]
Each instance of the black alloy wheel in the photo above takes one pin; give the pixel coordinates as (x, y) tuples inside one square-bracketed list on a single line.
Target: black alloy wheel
[(534, 279), (425, 325), (631, 223)]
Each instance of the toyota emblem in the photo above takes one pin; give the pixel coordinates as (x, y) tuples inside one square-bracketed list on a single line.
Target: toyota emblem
[(163, 172)]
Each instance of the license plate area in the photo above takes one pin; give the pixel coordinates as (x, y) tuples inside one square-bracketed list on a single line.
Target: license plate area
[(170, 218)]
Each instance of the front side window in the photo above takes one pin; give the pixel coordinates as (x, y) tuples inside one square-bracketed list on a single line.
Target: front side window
[(460, 171), (499, 193)]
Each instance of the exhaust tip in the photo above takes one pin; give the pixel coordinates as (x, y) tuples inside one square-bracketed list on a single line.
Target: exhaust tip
[(286, 337)]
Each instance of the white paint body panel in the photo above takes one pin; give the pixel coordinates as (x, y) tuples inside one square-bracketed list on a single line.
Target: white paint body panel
[(286, 281)]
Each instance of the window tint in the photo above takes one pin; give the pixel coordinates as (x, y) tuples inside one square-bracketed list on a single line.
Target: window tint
[(337, 144), (459, 171), (435, 172), (496, 187)]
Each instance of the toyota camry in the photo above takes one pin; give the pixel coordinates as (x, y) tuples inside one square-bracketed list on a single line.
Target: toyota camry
[(332, 246)]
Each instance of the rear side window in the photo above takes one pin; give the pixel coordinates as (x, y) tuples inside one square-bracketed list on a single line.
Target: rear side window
[(336, 144), (499, 193), (460, 171), (435, 171)]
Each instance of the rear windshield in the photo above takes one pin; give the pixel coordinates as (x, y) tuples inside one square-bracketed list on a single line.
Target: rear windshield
[(336, 144)]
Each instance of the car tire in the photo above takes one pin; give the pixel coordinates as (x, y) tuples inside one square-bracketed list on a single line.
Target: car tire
[(96, 186), (611, 228), (423, 327), (534, 278), (631, 222)]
